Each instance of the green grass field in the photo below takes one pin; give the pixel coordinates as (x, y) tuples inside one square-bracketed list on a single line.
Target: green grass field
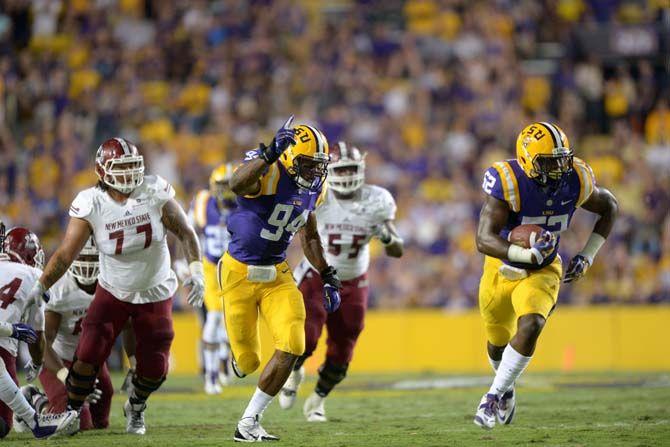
[(418, 410)]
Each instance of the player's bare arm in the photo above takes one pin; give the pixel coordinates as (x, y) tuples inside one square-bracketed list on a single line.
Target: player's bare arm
[(174, 218), (36, 349), (492, 218), (76, 234), (52, 361), (603, 203), (394, 248), (311, 244), (246, 180)]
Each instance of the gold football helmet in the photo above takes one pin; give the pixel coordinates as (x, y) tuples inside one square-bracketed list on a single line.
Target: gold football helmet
[(219, 183), (307, 161), (544, 154)]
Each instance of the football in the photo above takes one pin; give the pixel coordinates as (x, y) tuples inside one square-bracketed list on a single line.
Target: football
[(524, 235)]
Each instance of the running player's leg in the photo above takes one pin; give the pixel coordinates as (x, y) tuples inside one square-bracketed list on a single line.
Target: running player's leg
[(210, 330), (104, 320), (311, 288), (100, 410), (57, 396)]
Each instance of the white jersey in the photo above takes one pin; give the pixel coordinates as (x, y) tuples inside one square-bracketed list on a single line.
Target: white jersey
[(131, 238), (16, 281), (346, 227), (71, 302)]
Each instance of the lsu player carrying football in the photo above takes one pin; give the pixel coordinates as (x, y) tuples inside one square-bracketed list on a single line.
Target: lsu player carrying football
[(209, 215), (351, 214), (278, 187), (544, 186)]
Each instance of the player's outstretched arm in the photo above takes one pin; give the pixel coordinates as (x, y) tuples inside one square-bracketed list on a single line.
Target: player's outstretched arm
[(393, 244), (175, 220), (603, 203), (76, 234), (52, 361)]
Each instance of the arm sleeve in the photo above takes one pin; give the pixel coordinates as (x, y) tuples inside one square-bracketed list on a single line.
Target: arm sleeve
[(36, 316), (82, 205)]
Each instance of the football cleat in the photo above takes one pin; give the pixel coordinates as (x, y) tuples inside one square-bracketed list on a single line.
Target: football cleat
[(506, 407), (212, 384), (289, 392), (486, 412), (134, 414), (313, 409), (249, 430), (47, 425)]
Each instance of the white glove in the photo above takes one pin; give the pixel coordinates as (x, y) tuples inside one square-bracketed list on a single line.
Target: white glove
[(95, 395), (32, 371), (196, 283), (38, 293)]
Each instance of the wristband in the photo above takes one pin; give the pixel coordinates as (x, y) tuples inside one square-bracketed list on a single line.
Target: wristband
[(62, 374), (520, 254), (196, 268), (592, 246)]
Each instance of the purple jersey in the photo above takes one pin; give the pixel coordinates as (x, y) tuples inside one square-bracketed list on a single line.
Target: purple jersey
[(262, 225), (529, 203)]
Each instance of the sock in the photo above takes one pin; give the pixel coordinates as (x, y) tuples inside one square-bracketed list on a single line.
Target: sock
[(511, 367), (12, 397), (494, 364), (258, 403), (211, 362)]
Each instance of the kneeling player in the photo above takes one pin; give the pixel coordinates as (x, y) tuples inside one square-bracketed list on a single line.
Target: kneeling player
[(350, 216), (544, 186), (20, 258), (70, 298)]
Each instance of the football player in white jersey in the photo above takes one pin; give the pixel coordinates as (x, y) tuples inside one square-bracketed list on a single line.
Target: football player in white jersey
[(350, 216), (22, 319), (128, 215), (70, 298)]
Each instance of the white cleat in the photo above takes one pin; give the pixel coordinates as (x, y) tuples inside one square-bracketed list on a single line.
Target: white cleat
[(48, 425), (249, 430), (289, 392), (486, 412), (134, 414), (213, 388), (506, 407), (313, 409)]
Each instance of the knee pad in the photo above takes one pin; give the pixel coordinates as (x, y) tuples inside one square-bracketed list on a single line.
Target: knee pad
[(248, 362), (498, 335), (210, 331), (296, 339)]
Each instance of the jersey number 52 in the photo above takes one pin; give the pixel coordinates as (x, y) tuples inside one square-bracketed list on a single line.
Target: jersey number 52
[(280, 218)]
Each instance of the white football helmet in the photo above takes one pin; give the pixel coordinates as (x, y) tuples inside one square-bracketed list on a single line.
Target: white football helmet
[(119, 165), (346, 170), (86, 267)]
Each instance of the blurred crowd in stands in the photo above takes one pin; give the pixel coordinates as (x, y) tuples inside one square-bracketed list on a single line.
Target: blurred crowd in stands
[(433, 90)]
